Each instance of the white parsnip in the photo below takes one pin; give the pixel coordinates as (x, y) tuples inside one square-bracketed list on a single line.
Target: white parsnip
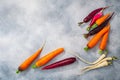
[(103, 64), (105, 59)]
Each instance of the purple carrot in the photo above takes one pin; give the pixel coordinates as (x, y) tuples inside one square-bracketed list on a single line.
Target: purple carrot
[(99, 28), (91, 15), (60, 63), (97, 16)]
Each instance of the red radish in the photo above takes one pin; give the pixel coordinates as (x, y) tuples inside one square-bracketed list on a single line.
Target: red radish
[(60, 63)]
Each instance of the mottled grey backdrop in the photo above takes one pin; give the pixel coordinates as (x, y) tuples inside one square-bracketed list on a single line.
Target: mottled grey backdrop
[(26, 24)]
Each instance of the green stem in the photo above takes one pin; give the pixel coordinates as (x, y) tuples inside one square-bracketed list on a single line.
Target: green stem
[(94, 26), (88, 28), (100, 52), (86, 48), (18, 71), (34, 66)]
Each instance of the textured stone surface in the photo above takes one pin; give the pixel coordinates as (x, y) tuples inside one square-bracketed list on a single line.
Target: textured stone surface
[(26, 24)]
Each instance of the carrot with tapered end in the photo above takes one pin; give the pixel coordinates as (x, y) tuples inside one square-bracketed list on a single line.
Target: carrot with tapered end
[(29, 60), (45, 59), (99, 28), (100, 21), (96, 38), (103, 42)]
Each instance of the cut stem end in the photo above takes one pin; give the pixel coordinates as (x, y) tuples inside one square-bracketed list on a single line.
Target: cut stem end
[(34, 66), (100, 52), (17, 71), (88, 28), (86, 48)]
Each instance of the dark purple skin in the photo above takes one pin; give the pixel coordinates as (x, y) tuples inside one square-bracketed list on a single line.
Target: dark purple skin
[(100, 27), (60, 63), (92, 14)]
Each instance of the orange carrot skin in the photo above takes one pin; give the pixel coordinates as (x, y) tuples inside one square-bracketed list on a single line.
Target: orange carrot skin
[(29, 61), (104, 41), (102, 19), (97, 37), (45, 59)]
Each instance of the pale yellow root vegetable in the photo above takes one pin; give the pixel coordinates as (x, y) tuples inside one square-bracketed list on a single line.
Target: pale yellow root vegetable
[(108, 59), (103, 64), (105, 59)]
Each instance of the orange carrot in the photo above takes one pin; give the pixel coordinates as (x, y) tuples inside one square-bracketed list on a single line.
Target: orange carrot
[(103, 42), (96, 38), (100, 21), (45, 59), (29, 60)]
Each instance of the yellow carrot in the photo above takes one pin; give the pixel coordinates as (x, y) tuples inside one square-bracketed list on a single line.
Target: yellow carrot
[(29, 60), (103, 42), (45, 59), (97, 37)]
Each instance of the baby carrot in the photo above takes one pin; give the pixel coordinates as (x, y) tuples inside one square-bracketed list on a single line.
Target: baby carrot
[(60, 63), (100, 21), (103, 42), (96, 38), (29, 60), (45, 59), (96, 17), (91, 15)]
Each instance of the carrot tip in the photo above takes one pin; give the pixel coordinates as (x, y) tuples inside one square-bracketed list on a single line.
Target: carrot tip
[(34, 66), (79, 24), (86, 48), (17, 71), (108, 6), (100, 52)]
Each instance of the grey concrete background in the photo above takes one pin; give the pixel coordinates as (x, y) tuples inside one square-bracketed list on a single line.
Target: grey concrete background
[(26, 24)]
